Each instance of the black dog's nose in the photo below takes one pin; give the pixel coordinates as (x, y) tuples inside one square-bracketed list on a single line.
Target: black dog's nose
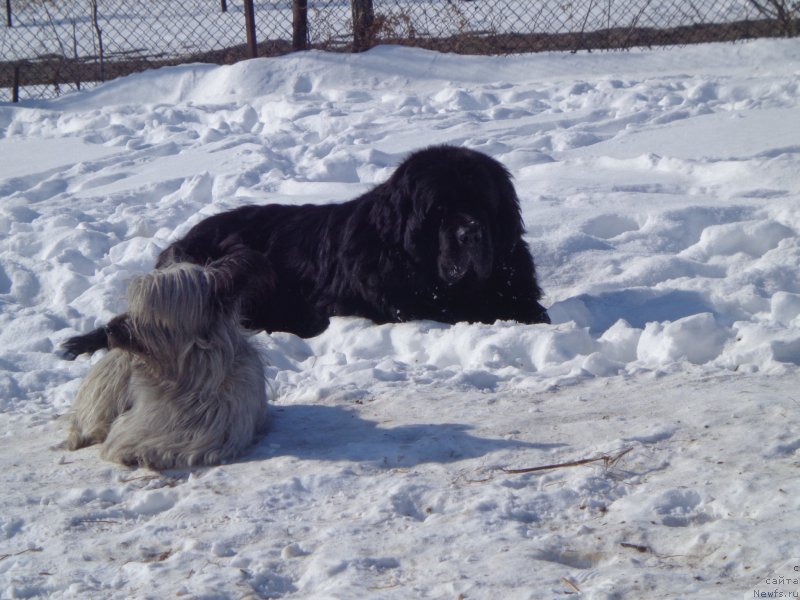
[(469, 234)]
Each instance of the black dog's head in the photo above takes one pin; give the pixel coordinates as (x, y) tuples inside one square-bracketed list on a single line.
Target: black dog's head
[(458, 212), (465, 248)]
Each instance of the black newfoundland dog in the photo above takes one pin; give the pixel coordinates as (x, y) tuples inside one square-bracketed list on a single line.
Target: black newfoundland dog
[(440, 240)]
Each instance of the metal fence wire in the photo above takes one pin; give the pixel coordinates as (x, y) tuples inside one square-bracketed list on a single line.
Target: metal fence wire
[(48, 47)]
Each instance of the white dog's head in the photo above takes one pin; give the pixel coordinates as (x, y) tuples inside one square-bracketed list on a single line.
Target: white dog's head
[(180, 310)]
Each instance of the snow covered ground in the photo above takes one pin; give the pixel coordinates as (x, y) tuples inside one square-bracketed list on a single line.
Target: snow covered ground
[(661, 193)]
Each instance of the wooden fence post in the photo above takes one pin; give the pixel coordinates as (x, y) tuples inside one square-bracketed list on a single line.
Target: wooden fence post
[(250, 26), (15, 88), (363, 19), (101, 55), (299, 25)]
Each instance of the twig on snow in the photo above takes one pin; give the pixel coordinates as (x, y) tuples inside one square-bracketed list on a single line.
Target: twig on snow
[(570, 584), (608, 461), (5, 556)]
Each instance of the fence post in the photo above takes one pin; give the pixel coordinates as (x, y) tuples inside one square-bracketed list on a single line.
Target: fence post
[(299, 25), (363, 18), (9, 20), (101, 55), (15, 88), (250, 27), (224, 5)]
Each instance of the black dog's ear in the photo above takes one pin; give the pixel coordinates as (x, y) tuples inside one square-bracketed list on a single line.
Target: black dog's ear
[(389, 212), (402, 217), (508, 208)]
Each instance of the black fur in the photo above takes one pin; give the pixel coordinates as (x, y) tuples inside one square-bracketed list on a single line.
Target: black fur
[(440, 240)]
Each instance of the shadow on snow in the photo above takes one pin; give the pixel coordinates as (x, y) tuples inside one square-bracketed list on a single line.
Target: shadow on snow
[(335, 433)]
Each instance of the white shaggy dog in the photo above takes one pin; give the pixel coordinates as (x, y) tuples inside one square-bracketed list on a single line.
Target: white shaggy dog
[(182, 385)]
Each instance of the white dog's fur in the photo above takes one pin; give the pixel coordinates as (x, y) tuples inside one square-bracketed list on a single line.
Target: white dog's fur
[(182, 384)]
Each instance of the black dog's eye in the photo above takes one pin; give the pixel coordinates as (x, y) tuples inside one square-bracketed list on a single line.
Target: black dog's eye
[(469, 233)]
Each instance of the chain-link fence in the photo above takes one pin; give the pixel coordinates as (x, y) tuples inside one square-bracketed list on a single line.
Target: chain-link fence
[(51, 46)]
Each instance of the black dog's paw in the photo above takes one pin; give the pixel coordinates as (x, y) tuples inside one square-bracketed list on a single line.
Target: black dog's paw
[(88, 343), (65, 352)]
